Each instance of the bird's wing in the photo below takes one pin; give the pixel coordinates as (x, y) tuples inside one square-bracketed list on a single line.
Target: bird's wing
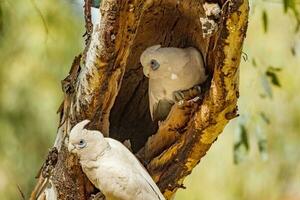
[(151, 184), (138, 170), (162, 109), (159, 106), (196, 64), (117, 180), (178, 59)]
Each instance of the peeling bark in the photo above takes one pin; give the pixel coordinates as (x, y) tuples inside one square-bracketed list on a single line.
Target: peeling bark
[(111, 91)]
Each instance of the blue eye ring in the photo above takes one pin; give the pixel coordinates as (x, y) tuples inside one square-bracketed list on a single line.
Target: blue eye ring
[(81, 143), (154, 64)]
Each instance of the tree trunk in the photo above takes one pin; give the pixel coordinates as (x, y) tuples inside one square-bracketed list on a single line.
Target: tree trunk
[(107, 86)]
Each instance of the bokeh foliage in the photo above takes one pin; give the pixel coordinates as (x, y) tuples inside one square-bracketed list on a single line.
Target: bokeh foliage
[(38, 41)]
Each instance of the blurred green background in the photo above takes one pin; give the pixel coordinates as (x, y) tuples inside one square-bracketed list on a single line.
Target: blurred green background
[(38, 41)]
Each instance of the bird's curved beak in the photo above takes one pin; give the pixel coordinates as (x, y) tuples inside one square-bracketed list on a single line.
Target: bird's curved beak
[(71, 148), (146, 71)]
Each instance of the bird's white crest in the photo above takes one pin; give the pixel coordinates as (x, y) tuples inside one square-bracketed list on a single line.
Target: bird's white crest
[(148, 52), (152, 48), (80, 126)]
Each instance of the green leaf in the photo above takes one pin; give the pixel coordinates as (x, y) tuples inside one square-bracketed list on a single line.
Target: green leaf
[(293, 50), (272, 74), (266, 86), (265, 20), (285, 5), (262, 143), (265, 118), (274, 69), (274, 78), (241, 144), (254, 62), (291, 5)]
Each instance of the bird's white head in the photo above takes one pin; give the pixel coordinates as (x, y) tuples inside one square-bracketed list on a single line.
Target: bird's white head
[(161, 62), (87, 144), (148, 60)]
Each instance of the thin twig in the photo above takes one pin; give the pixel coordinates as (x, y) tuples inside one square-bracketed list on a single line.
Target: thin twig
[(88, 19), (21, 192), (42, 17)]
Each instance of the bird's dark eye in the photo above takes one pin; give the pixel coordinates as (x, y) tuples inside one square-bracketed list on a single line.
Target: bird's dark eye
[(81, 143), (154, 64)]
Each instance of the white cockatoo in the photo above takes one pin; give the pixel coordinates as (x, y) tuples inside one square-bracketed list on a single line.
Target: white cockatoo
[(170, 70), (111, 167)]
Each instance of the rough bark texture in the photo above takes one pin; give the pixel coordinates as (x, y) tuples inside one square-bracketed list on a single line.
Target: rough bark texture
[(111, 91)]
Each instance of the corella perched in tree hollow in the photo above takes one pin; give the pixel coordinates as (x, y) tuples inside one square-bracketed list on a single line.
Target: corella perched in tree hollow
[(111, 167), (170, 70)]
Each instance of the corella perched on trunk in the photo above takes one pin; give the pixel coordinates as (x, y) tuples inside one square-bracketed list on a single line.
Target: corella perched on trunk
[(170, 70), (111, 167)]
